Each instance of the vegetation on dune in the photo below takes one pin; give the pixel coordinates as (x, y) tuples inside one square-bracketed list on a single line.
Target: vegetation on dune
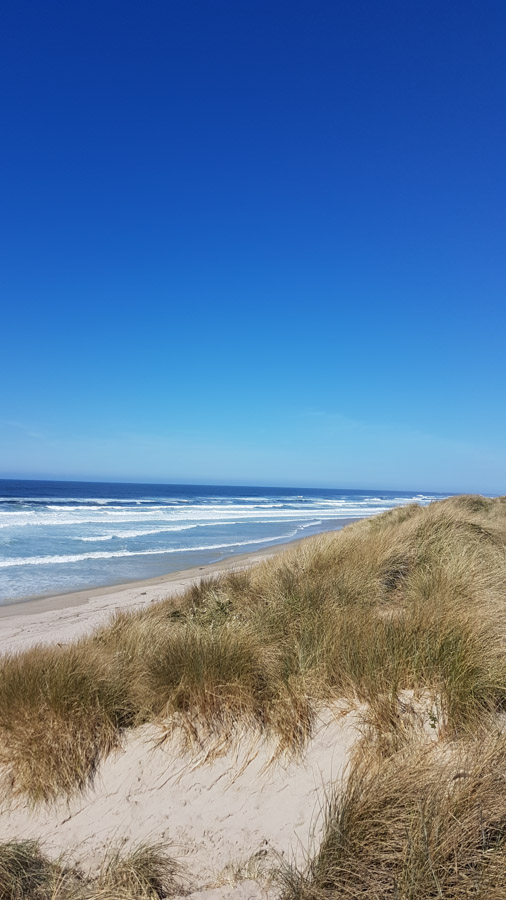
[(420, 824), (61, 711), (146, 873), (24, 872), (409, 602)]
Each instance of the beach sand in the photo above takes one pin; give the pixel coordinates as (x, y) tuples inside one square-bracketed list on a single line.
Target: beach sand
[(228, 817), (64, 617)]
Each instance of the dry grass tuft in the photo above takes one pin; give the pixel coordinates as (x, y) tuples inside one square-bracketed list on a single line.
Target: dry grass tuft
[(418, 825), (146, 873), (61, 712), (24, 872)]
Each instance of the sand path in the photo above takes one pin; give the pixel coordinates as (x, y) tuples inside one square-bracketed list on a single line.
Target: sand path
[(236, 816), (229, 820)]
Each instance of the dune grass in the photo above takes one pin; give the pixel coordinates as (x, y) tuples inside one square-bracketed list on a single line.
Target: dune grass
[(412, 599), (421, 824), (401, 614), (146, 872), (25, 872), (61, 711)]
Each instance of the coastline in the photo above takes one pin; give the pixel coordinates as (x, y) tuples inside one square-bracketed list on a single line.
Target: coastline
[(71, 537), (64, 617), (68, 599)]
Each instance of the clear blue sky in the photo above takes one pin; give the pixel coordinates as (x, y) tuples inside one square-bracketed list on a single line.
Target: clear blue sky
[(254, 241)]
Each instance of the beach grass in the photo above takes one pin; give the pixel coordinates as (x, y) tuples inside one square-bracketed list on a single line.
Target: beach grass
[(408, 600), (24, 871), (424, 823), (61, 711), (145, 872), (400, 615)]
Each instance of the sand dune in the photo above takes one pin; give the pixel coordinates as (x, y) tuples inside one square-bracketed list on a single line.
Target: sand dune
[(225, 818)]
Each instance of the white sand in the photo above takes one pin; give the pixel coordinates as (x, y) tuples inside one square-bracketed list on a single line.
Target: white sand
[(234, 815)]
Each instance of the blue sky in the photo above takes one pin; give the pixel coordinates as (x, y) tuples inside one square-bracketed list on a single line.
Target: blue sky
[(254, 242)]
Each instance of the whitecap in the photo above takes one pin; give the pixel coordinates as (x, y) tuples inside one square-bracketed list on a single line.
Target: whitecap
[(115, 554)]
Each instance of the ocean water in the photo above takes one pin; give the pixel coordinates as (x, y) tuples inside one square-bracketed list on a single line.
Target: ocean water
[(62, 536)]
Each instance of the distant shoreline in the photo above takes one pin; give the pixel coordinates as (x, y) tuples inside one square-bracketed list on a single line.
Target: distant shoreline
[(76, 537)]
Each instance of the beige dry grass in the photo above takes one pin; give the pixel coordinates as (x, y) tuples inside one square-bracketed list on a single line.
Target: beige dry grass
[(421, 824), (61, 711), (147, 872), (25, 872), (410, 601)]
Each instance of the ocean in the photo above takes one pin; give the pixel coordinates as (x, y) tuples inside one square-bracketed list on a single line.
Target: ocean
[(63, 536)]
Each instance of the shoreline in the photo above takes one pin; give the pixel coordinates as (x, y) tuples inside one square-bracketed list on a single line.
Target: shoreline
[(62, 618), (72, 599), (48, 602)]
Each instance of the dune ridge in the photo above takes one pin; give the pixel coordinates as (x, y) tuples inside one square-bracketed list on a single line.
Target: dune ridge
[(383, 644)]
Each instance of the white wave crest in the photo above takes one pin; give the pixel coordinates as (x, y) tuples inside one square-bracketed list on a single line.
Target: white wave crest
[(199, 514), (132, 534), (115, 554)]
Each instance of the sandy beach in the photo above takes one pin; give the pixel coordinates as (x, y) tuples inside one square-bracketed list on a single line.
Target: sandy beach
[(65, 617), (232, 733), (228, 818)]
